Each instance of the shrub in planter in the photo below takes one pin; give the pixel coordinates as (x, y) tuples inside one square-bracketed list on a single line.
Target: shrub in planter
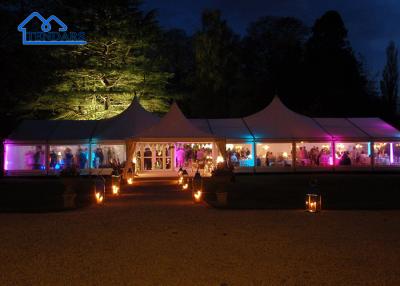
[(222, 196)]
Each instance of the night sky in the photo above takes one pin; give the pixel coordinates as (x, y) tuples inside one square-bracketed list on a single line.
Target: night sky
[(371, 23)]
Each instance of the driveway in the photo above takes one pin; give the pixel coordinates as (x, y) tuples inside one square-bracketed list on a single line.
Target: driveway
[(155, 235)]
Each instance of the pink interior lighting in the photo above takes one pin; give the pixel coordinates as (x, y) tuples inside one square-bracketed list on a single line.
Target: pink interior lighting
[(391, 153)]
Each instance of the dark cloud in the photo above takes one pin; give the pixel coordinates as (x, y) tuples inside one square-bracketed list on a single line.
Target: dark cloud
[(371, 23)]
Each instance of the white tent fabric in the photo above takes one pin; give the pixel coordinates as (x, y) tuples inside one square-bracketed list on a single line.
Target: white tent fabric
[(175, 126), (33, 131), (73, 131), (201, 124), (342, 128), (129, 123), (230, 128), (377, 128), (277, 122), (274, 123)]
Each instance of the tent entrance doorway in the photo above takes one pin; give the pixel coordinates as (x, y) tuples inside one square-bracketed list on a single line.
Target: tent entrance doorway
[(154, 157), (168, 157)]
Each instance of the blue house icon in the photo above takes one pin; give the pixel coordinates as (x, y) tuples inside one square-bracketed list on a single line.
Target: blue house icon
[(56, 38)]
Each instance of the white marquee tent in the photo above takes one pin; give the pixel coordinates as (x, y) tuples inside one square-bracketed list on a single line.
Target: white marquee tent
[(257, 135)]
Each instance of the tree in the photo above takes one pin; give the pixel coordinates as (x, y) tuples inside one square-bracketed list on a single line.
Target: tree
[(390, 80), (216, 50), (272, 58), (334, 81), (25, 71), (98, 80)]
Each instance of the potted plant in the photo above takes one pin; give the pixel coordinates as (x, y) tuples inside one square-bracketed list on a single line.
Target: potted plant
[(223, 178), (222, 196)]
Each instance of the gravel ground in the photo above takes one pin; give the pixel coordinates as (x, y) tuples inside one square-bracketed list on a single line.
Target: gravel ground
[(156, 236)]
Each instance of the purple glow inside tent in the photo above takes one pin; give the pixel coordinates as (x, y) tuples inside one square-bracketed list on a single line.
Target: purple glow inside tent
[(6, 157), (24, 157), (391, 153)]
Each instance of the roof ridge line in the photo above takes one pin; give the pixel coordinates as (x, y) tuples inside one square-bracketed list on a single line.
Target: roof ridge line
[(358, 127), (248, 128), (209, 126), (323, 128)]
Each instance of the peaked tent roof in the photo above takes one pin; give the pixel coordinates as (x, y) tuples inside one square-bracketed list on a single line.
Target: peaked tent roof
[(342, 128), (174, 125), (202, 124), (33, 131), (70, 131), (277, 122), (233, 128), (127, 124), (376, 128)]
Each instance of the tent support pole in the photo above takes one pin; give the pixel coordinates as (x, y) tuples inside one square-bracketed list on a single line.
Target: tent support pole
[(372, 154), (47, 155), (333, 154), (294, 156), (90, 158), (254, 156)]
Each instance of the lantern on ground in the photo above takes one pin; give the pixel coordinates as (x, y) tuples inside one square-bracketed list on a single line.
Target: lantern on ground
[(99, 197), (197, 187), (130, 176), (185, 180), (197, 196), (313, 203), (115, 184), (99, 190), (180, 176)]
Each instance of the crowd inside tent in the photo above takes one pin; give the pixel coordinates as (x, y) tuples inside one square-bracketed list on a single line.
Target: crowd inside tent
[(274, 139)]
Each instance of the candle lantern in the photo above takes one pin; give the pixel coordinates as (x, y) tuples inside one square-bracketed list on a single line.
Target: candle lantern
[(99, 197), (313, 203), (197, 196), (185, 180), (129, 179), (197, 186), (180, 176), (99, 190), (115, 184)]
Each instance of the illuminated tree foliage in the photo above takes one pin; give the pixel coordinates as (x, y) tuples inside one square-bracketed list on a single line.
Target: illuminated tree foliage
[(99, 80)]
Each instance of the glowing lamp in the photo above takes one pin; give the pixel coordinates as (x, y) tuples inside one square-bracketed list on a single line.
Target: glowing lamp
[(130, 176), (313, 203), (99, 197), (197, 185), (197, 196), (184, 180), (115, 190), (340, 146), (115, 185), (220, 159)]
